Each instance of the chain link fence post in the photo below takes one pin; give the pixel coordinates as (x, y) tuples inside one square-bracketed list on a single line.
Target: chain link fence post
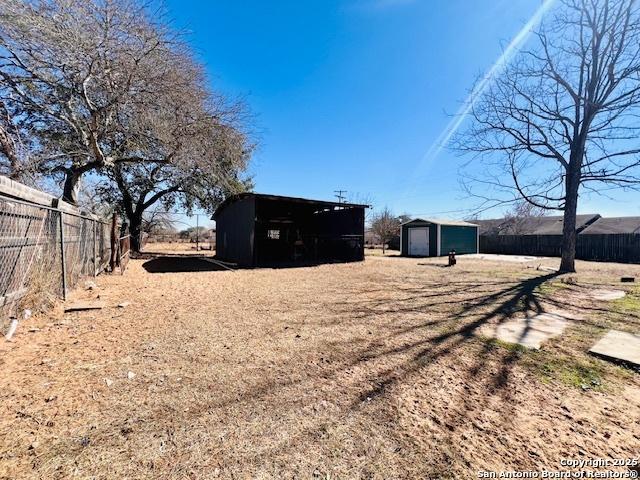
[(62, 256), (95, 248)]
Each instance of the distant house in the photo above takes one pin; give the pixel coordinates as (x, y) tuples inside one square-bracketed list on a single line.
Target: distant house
[(433, 238), (615, 239), (551, 225), (613, 225)]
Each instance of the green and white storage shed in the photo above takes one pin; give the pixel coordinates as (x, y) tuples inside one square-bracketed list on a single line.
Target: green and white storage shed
[(433, 238)]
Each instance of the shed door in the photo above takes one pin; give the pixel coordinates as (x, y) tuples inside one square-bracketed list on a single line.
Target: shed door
[(419, 241)]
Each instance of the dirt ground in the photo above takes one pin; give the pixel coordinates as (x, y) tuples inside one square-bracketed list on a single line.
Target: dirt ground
[(362, 370)]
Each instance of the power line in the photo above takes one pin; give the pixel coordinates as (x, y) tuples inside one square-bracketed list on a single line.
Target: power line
[(340, 195)]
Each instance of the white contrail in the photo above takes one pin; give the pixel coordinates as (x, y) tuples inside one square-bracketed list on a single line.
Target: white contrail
[(513, 47)]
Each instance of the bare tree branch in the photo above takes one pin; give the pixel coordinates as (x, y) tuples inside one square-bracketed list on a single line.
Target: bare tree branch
[(562, 115)]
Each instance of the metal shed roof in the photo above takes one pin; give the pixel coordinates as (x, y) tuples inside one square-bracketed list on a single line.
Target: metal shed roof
[(442, 221), (308, 201)]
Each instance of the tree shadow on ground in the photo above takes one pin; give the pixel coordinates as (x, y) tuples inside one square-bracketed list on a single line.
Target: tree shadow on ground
[(479, 304), (148, 254), (485, 374), (452, 332), (496, 307), (183, 263)]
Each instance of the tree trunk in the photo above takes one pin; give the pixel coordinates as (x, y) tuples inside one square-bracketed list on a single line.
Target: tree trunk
[(567, 263), (7, 148), (135, 230), (71, 185), (113, 260)]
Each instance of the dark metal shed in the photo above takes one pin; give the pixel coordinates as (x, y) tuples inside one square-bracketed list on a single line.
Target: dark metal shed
[(433, 238), (255, 229)]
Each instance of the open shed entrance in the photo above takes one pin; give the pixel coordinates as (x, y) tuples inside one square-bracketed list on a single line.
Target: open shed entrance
[(294, 232)]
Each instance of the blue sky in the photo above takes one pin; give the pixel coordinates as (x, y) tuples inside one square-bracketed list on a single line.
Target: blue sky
[(350, 94)]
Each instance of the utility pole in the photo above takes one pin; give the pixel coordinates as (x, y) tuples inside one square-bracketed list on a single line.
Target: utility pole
[(197, 232), (340, 195)]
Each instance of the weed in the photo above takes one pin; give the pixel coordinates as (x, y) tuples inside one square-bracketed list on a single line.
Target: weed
[(512, 347), (571, 372), (550, 287), (630, 303), (569, 280), (551, 368)]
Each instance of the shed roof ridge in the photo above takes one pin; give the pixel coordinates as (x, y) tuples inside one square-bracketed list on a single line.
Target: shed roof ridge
[(442, 221)]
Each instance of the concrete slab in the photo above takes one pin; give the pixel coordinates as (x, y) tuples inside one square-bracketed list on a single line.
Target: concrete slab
[(501, 258), (529, 332), (617, 345), (607, 295), (547, 269)]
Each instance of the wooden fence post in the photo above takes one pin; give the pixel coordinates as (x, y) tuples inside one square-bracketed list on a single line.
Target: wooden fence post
[(115, 240)]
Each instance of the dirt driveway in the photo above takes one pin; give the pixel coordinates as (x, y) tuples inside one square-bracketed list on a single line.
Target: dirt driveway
[(365, 370)]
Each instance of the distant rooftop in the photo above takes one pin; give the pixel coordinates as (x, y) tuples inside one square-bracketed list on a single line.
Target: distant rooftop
[(613, 225), (551, 225)]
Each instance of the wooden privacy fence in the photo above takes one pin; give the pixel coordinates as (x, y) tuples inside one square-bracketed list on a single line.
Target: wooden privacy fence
[(618, 247)]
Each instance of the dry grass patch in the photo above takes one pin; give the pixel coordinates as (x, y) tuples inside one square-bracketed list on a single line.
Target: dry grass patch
[(366, 370)]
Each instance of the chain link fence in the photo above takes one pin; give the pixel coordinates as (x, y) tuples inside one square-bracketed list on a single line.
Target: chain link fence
[(43, 252)]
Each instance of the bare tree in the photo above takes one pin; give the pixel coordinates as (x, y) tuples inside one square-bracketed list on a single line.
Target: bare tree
[(385, 225), (156, 221), (106, 86), (74, 71), (522, 218), (405, 217), (141, 187), (563, 116), (204, 161), (90, 200), (362, 199)]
